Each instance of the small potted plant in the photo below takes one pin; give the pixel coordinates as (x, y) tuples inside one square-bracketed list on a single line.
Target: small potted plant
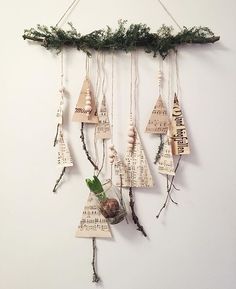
[(110, 203)]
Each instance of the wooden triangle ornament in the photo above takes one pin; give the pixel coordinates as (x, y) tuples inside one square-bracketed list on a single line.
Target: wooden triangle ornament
[(180, 144), (93, 224), (137, 172), (80, 114), (159, 120), (166, 162), (103, 129)]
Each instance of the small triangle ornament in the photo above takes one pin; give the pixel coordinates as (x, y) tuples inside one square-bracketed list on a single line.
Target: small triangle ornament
[(103, 129), (137, 171), (180, 144), (159, 120), (93, 224), (86, 110), (166, 162), (63, 156)]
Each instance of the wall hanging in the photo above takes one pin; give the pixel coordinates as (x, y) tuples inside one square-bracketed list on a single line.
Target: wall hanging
[(105, 203)]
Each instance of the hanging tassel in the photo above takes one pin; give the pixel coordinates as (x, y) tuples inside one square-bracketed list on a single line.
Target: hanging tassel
[(96, 278), (134, 216)]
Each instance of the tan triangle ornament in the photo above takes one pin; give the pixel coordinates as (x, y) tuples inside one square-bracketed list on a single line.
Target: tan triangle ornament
[(137, 168), (64, 158), (93, 224), (80, 113), (166, 162), (159, 120), (103, 129), (180, 144)]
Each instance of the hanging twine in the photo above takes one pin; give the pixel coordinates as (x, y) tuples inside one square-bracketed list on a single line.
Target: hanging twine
[(170, 15), (71, 7), (160, 75), (87, 66), (112, 111), (177, 74), (97, 90)]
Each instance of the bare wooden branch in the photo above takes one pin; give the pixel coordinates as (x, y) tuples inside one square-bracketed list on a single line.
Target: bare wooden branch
[(134, 216), (96, 278), (85, 147), (169, 188), (58, 180)]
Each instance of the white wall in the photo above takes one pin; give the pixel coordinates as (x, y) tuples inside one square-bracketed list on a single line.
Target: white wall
[(192, 246)]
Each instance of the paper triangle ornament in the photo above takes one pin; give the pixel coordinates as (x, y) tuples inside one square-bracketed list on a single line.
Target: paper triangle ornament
[(103, 129), (180, 144), (93, 223), (137, 172), (166, 162), (63, 157), (159, 120), (80, 113)]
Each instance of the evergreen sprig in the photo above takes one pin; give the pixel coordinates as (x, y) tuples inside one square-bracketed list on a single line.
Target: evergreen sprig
[(123, 38)]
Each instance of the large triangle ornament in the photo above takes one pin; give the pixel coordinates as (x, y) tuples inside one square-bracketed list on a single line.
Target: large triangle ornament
[(93, 224), (180, 144), (137, 173), (103, 129), (166, 162), (80, 114), (159, 120)]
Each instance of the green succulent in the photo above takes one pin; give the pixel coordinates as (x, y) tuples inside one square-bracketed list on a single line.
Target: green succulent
[(96, 187)]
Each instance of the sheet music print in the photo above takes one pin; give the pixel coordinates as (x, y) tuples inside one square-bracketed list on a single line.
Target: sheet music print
[(180, 144), (80, 114), (166, 162), (159, 120), (93, 223), (120, 171), (103, 130), (137, 173), (64, 157)]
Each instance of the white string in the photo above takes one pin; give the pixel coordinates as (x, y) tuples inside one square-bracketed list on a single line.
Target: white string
[(68, 11), (131, 88), (104, 74), (177, 73), (62, 69), (161, 81), (112, 108), (74, 3), (112, 96), (169, 95), (87, 66), (96, 100), (135, 86), (170, 15)]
